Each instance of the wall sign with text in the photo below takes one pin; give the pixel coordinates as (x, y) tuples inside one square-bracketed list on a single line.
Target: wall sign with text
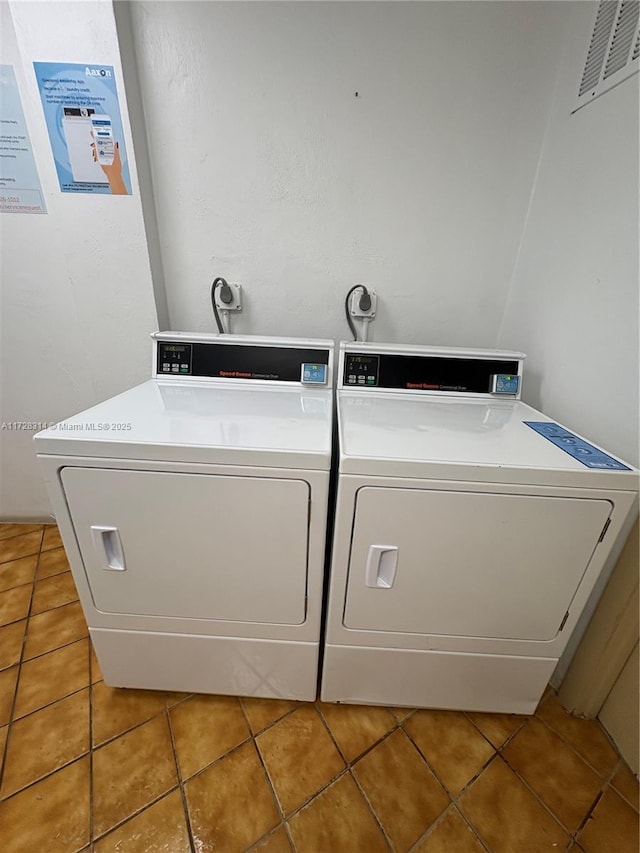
[(20, 190), (82, 113)]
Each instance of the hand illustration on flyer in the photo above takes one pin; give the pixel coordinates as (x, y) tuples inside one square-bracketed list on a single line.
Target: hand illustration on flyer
[(82, 113)]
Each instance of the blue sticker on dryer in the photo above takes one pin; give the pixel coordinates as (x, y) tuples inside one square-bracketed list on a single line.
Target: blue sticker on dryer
[(578, 448)]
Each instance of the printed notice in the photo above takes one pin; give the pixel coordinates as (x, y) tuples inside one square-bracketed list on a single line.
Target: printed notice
[(82, 113), (20, 190)]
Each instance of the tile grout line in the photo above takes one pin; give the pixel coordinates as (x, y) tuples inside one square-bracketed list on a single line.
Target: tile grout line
[(365, 751), (455, 798), (499, 751), (127, 731), (369, 805), (46, 776), (573, 748), (605, 780), (607, 785), (91, 786), (452, 807), (476, 832), (540, 800), (44, 707), (267, 837), (181, 781), (349, 768), (346, 770), (283, 820), (215, 760), (508, 738), (59, 698), (101, 836), (62, 645), (274, 722), (622, 764), (19, 664), (433, 770), (585, 820)]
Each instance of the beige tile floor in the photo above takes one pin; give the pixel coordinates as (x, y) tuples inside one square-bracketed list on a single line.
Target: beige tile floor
[(88, 767)]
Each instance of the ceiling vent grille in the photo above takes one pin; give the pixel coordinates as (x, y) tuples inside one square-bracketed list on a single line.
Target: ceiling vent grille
[(613, 54)]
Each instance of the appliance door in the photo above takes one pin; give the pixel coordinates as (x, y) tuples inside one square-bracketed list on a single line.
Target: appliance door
[(468, 564), (203, 546)]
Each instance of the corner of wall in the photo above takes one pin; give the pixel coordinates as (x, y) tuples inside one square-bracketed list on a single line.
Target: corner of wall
[(124, 29)]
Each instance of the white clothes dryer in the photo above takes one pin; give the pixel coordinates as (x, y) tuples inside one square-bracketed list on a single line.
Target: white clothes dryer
[(193, 509), (470, 532)]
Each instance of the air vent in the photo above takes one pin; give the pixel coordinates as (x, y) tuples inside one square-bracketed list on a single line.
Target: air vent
[(613, 54)]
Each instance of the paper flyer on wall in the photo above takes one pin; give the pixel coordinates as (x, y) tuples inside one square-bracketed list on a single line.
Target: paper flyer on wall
[(82, 113), (20, 190)]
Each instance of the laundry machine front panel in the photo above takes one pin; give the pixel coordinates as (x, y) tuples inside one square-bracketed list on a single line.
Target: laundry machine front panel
[(468, 564), (197, 546)]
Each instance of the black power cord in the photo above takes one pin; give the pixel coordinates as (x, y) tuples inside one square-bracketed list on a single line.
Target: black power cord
[(364, 304), (226, 297)]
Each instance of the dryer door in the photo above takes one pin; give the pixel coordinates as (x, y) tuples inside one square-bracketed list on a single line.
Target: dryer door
[(192, 545), (468, 564)]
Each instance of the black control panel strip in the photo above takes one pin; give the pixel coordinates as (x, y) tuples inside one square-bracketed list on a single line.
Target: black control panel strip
[(235, 361), (423, 373)]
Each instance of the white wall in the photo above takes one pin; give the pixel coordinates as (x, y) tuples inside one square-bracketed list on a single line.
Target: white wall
[(268, 170), (76, 301), (573, 303)]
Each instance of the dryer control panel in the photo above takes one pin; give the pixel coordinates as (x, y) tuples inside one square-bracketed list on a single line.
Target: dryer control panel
[(457, 372), (233, 357)]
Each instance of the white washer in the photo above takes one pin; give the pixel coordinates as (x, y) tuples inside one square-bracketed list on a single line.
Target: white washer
[(193, 509), (466, 542)]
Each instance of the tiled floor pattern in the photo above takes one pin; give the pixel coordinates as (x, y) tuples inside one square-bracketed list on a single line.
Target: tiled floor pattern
[(88, 767)]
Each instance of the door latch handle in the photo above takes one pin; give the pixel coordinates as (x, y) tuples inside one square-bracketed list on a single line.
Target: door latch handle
[(382, 562), (106, 541)]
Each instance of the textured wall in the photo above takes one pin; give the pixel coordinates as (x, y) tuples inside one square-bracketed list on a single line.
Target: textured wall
[(269, 170)]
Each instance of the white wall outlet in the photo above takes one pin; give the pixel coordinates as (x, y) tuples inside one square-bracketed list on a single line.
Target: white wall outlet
[(354, 304), (236, 302)]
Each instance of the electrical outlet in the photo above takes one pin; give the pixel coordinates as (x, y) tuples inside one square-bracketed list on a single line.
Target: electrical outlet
[(354, 304), (236, 302)]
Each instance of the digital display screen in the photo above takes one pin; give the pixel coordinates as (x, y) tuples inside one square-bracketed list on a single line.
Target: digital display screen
[(360, 369), (174, 359), (314, 374)]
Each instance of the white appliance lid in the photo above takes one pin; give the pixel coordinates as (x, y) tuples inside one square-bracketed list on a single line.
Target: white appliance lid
[(191, 421), (454, 438)]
